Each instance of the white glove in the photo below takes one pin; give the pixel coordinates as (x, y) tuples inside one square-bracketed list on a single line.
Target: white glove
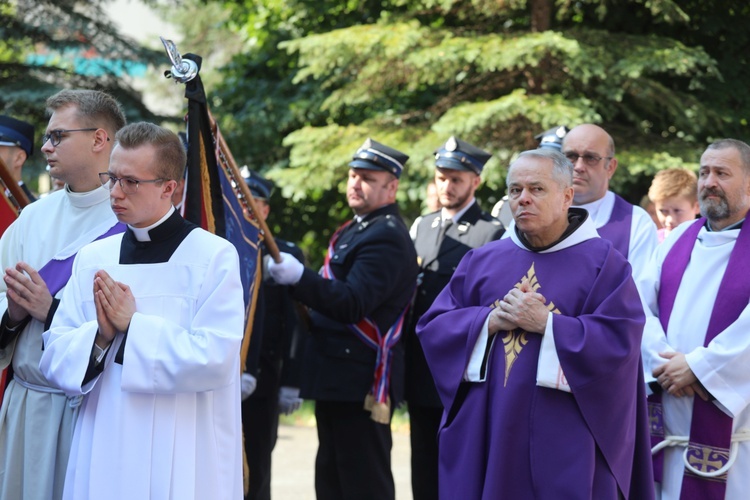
[(266, 260), (288, 271), (289, 400), (247, 385)]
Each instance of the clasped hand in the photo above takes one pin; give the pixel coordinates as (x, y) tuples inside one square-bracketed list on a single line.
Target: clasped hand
[(676, 377), (115, 305), (27, 293), (520, 308)]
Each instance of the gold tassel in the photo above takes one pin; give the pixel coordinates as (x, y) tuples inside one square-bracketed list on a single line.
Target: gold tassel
[(379, 412)]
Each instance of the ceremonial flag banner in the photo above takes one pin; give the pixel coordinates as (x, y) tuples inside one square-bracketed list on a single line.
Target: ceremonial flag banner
[(8, 208), (8, 212)]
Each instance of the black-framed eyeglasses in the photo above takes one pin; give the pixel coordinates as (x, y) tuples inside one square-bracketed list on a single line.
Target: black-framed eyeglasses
[(127, 184), (57, 135), (588, 159)]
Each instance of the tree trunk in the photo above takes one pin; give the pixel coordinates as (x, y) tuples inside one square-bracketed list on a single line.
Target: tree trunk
[(541, 15)]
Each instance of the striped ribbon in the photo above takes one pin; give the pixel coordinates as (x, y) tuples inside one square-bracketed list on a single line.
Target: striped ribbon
[(378, 400)]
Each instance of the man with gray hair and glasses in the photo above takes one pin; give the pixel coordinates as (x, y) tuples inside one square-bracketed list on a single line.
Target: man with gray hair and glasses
[(36, 254), (631, 230)]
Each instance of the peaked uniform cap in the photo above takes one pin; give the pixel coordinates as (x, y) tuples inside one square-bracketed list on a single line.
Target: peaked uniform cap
[(456, 154), (16, 133), (260, 187), (375, 156), (552, 138)]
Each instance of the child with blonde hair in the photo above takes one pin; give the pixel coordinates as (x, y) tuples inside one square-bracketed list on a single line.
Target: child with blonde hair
[(674, 192)]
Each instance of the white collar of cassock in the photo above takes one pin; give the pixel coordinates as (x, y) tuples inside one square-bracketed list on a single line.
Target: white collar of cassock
[(600, 210), (586, 231), (141, 233), (87, 199)]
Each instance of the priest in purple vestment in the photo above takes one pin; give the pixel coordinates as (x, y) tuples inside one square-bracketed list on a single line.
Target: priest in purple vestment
[(557, 408)]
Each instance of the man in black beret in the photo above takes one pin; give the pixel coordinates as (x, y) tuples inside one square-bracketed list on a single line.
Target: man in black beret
[(354, 360), (441, 240), (16, 146)]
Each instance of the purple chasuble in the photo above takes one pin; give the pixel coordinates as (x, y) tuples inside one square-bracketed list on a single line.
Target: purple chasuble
[(56, 273), (506, 437), (710, 428), (617, 228)]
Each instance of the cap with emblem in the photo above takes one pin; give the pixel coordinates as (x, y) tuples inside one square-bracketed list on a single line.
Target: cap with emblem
[(260, 188), (16, 133), (456, 154), (375, 156), (552, 138)]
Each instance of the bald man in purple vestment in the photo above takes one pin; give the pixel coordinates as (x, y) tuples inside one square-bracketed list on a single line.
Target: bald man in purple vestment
[(535, 350)]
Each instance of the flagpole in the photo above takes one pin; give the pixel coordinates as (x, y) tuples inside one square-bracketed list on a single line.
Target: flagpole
[(15, 190), (271, 246)]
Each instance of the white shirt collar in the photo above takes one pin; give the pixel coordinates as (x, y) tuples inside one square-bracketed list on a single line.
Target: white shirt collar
[(457, 217)]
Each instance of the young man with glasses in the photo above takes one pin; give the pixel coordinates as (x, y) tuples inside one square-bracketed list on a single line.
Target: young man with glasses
[(36, 254), (591, 150), (149, 330)]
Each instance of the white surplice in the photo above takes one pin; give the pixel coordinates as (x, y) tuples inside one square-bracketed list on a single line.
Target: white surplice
[(36, 420), (164, 424), (722, 367)]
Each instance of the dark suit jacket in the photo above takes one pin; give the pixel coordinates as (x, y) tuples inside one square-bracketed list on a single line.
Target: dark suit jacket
[(472, 230), (375, 266)]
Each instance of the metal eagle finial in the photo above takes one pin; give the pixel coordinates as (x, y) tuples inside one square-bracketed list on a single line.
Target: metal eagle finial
[(183, 70)]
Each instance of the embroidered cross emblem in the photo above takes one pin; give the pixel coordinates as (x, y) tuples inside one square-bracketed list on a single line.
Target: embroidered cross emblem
[(656, 419), (514, 341), (706, 459)]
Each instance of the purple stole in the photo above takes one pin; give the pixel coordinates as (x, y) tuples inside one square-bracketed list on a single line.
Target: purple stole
[(56, 273), (377, 401), (710, 428), (617, 229)]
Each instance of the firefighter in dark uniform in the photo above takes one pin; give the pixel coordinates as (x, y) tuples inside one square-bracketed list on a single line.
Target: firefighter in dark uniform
[(353, 363), (441, 240), (273, 361)]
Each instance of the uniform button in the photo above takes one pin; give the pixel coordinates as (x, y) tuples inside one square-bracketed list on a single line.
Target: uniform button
[(347, 350)]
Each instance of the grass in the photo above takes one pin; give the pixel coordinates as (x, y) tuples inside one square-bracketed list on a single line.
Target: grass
[(305, 416)]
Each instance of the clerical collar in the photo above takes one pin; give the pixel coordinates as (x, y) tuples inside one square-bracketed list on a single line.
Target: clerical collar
[(457, 217), (736, 225), (576, 217), (142, 233)]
